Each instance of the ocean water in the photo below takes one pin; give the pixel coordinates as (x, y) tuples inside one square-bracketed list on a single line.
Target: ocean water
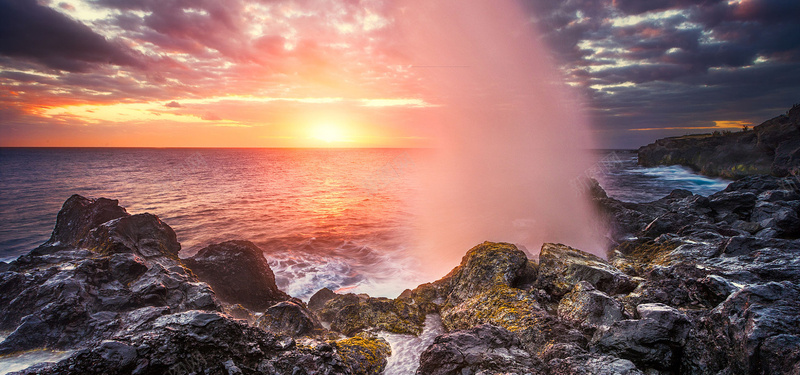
[(325, 217), (336, 218), (620, 175)]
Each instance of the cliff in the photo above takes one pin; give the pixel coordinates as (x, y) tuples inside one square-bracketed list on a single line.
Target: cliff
[(772, 147)]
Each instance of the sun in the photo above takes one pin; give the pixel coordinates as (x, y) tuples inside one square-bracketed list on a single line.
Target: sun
[(328, 132)]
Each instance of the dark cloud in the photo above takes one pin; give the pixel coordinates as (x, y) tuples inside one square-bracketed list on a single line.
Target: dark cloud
[(173, 104), (705, 61), (29, 30)]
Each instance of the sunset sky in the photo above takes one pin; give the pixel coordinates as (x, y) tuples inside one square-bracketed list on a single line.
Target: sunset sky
[(247, 73)]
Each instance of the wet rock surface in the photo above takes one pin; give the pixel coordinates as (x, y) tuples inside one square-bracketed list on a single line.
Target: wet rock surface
[(110, 287), (238, 273)]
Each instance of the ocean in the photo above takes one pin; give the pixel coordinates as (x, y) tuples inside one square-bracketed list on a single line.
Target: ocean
[(336, 218)]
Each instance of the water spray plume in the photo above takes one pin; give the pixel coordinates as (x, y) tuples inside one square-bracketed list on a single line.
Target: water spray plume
[(511, 142)]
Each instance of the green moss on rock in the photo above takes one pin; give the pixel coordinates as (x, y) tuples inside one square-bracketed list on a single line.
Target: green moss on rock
[(364, 354)]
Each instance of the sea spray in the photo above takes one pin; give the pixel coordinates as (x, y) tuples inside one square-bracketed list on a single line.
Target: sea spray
[(511, 140)]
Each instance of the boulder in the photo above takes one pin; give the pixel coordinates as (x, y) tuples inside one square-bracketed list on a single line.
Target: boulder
[(318, 300), (484, 349), (755, 331), (290, 318), (516, 311), (589, 308), (363, 354), (561, 267), (351, 314), (654, 340), (238, 273), (482, 268)]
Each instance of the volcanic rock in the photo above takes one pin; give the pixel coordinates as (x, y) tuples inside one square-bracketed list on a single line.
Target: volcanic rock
[(238, 273)]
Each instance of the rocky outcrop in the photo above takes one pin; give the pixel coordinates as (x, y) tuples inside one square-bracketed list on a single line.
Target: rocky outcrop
[(290, 318), (692, 285), (770, 148), (238, 273), (110, 286), (482, 349), (561, 267), (351, 314), (77, 291)]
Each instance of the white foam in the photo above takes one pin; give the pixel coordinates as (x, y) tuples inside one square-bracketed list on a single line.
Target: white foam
[(406, 349), (21, 361)]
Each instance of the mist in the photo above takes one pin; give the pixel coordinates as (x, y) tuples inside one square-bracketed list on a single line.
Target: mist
[(511, 141)]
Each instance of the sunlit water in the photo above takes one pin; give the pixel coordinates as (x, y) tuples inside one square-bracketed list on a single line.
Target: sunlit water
[(325, 217), (622, 178)]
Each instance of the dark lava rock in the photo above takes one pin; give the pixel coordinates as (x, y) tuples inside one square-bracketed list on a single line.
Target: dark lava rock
[(655, 340), (210, 343), (238, 273), (485, 349), (588, 307), (561, 267), (117, 293), (78, 216), (290, 318), (68, 297), (318, 300), (755, 331), (143, 234)]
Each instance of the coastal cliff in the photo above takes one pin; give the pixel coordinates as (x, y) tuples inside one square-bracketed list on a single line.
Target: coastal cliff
[(772, 147), (693, 285)]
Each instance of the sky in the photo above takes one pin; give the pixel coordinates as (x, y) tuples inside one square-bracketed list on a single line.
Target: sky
[(316, 73)]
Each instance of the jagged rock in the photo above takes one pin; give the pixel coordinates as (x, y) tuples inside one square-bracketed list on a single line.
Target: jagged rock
[(318, 300), (77, 217), (579, 362), (588, 307), (479, 350), (290, 318), (670, 222), (211, 343), (654, 340), (238, 273), (59, 296), (561, 267), (780, 216), (143, 234), (756, 331)]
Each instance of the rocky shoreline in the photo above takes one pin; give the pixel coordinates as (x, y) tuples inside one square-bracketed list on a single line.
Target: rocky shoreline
[(692, 285), (772, 147)]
